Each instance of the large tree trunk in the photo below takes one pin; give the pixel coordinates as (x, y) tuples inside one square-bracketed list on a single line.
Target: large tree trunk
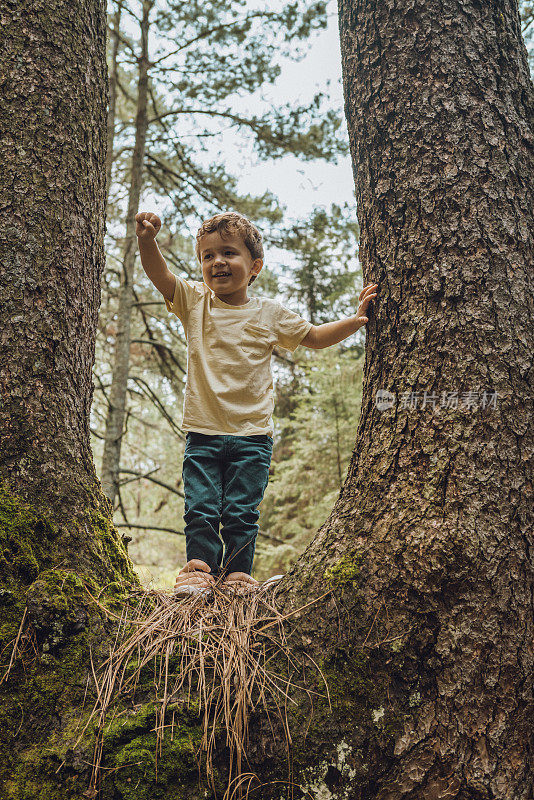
[(432, 533), (52, 130), (56, 537), (121, 356)]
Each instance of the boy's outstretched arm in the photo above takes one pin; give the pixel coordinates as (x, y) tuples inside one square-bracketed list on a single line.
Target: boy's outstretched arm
[(329, 333), (147, 226)]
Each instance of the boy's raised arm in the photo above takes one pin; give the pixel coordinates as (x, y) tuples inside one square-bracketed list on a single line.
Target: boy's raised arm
[(147, 226), (329, 333)]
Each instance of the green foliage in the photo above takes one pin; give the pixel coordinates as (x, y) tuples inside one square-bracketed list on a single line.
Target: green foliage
[(206, 60), (326, 277), (317, 437)]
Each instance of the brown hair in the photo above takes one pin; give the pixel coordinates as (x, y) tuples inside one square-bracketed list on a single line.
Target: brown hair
[(231, 222)]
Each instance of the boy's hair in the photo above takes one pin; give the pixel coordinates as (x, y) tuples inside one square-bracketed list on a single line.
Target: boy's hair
[(231, 222)]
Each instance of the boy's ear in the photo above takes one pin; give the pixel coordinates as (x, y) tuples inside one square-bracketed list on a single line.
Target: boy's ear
[(257, 264)]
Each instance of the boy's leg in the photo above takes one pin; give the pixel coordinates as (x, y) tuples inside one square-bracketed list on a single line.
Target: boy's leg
[(202, 478), (246, 474)]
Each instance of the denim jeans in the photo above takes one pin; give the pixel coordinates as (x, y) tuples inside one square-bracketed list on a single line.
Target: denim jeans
[(224, 478)]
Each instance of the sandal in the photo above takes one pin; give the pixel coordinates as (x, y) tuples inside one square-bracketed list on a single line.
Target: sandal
[(271, 581), (188, 589)]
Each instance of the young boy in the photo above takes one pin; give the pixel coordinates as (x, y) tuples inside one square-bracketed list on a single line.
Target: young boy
[(228, 401)]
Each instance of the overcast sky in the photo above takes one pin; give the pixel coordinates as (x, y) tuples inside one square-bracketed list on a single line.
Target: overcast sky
[(300, 185)]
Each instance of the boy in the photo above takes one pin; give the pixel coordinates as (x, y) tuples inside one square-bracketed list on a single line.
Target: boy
[(228, 401)]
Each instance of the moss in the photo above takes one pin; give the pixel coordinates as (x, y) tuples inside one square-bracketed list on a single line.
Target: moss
[(344, 572), (25, 539), (31, 541), (139, 770), (111, 544), (136, 761), (42, 699)]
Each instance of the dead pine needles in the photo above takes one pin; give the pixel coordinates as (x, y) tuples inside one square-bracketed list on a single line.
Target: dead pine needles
[(223, 653)]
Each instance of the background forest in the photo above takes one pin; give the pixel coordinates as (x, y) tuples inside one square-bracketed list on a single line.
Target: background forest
[(205, 116)]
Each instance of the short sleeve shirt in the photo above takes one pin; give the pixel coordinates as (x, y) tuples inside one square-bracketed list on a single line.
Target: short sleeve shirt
[(229, 384)]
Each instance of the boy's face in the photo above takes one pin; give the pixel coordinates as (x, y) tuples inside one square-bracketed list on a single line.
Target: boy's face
[(231, 256)]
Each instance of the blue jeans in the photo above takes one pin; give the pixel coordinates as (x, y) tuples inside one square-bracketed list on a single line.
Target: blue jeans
[(224, 478)]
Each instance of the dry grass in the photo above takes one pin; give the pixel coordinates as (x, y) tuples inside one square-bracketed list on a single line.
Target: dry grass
[(226, 645)]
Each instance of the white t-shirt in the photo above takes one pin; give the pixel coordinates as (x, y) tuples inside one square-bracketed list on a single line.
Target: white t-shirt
[(229, 386)]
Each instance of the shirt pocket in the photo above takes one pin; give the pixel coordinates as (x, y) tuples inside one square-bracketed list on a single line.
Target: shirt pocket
[(256, 340)]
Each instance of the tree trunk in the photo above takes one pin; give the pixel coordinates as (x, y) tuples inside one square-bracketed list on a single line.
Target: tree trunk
[(432, 534), (51, 248), (121, 358), (112, 95), (56, 538)]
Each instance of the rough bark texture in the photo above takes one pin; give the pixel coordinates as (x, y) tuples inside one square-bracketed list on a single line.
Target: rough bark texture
[(52, 190), (56, 539), (435, 516), (121, 356), (52, 185)]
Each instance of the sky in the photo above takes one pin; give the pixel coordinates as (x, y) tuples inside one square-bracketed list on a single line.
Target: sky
[(301, 185)]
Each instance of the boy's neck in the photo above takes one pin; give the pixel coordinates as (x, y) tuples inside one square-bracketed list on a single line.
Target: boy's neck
[(233, 299), (234, 304)]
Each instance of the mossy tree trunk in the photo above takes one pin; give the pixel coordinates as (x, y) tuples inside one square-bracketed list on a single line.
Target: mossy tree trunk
[(56, 536), (431, 539), (52, 183)]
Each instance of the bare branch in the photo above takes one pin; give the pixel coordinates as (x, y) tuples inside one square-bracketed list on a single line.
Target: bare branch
[(147, 528), (148, 476)]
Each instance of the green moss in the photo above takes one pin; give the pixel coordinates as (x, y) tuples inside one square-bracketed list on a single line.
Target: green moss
[(31, 541), (25, 537), (130, 747), (345, 571), (110, 543), (41, 700)]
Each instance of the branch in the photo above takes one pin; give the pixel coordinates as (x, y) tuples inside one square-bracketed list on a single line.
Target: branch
[(181, 533), (122, 39), (529, 21), (149, 341), (208, 31), (148, 528), (157, 402), (148, 476)]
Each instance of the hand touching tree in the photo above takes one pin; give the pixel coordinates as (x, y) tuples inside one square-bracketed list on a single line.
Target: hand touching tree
[(367, 295)]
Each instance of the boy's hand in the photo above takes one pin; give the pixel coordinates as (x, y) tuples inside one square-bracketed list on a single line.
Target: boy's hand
[(147, 225), (367, 295)]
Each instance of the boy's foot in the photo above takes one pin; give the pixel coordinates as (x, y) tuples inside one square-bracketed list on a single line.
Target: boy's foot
[(241, 582), (194, 578)]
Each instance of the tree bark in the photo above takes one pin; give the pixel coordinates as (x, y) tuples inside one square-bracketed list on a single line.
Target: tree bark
[(121, 357), (435, 516), (52, 128)]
